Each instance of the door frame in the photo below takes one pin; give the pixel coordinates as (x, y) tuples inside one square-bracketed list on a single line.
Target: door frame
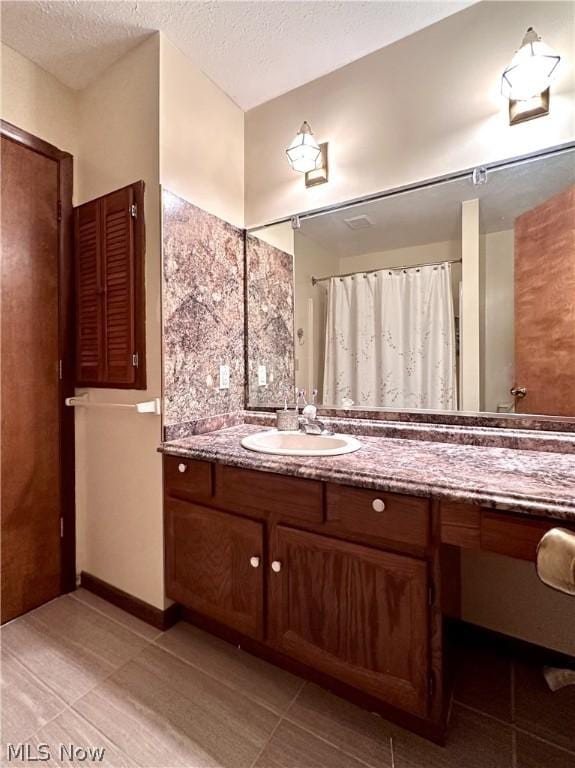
[(67, 469)]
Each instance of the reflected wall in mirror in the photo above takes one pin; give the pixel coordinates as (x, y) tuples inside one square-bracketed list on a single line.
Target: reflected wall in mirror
[(456, 296)]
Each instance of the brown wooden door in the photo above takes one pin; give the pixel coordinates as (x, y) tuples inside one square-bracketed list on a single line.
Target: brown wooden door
[(31, 494), (356, 613), (210, 566), (545, 307)]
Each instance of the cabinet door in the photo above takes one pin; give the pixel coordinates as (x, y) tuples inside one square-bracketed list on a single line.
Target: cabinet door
[(356, 613), (211, 566), (110, 290)]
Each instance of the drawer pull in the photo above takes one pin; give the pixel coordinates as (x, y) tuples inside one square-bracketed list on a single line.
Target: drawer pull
[(276, 566), (182, 467), (378, 505), (255, 562)]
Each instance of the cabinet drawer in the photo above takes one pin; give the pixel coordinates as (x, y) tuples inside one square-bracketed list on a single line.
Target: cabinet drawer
[(391, 516), (258, 493), (512, 536), (187, 477)]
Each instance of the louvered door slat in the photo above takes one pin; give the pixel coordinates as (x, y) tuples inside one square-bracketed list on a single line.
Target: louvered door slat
[(88, 304), (110, 290), (118, 262)]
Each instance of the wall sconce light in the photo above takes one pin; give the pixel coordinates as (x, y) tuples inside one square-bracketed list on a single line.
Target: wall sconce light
[(307, 156), (525, 82)]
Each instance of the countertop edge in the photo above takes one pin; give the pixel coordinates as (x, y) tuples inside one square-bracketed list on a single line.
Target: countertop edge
[(505, 502)]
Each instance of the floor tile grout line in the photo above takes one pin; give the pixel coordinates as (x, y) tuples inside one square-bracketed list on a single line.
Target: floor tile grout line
[(517, 728), (277, 725), (71, 705), (32, 611), (512, 689), (543, 740), (484, 714), (331, 744), (91, 688), (513, 748), (288, 719), (102, 733), (39, 681), (266, 742), (117, 621), (223, 682)]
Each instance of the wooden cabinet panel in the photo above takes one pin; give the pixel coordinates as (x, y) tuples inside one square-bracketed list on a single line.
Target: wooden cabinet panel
[(110, 292), (354, 612), (119, 287), (188, 477), (257, 493), (460, 524), (89, 340), (511, 536), (209, 565), (403, 519)]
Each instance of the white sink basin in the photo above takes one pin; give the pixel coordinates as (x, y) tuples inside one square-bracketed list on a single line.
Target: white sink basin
[(300, 444)]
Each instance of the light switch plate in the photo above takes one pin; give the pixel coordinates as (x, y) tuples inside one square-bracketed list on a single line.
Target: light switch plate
[(224, 376), (262, 376)]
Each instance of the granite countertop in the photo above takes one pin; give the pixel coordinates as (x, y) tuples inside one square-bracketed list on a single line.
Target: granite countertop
[(531, 482)]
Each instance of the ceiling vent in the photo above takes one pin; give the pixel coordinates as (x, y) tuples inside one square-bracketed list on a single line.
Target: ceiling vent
[(359, 222)]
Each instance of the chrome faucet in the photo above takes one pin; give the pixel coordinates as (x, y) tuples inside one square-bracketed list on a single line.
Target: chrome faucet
[(309, 423)]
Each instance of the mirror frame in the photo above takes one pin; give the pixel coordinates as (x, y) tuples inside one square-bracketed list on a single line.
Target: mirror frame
[(490, 419)]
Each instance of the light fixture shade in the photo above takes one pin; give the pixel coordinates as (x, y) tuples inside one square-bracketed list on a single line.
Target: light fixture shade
[(304, 151), (531, 69)]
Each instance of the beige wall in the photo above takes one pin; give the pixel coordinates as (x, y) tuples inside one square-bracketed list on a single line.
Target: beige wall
[(505, 595), (118, 470), (496, 256), (201, 138), (311, 260), (422, 107), (35, 101)]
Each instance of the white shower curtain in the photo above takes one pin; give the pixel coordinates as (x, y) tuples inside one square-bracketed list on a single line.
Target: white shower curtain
[(390, 340)]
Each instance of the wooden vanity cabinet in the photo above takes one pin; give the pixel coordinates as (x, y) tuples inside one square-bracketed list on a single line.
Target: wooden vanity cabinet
[(214, 565), (317, 574), (357, 613)]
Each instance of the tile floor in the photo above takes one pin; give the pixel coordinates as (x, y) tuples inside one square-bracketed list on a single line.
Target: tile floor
[(79, 671)]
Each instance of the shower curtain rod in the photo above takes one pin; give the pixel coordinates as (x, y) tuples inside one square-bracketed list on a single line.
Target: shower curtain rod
[(316, 280)]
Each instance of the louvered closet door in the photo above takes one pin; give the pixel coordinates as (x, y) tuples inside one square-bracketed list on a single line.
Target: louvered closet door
[(110, 291), (89, 289), (118, 276)]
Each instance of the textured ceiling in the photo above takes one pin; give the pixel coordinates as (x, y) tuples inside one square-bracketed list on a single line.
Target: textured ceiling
[(254, 51)]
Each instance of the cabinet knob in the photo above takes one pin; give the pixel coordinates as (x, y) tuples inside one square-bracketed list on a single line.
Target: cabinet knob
[(255, 562), (276, 566), (182, 467), (378, 505)]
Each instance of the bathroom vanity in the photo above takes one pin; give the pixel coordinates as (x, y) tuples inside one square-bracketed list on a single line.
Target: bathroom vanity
[(342, 569)]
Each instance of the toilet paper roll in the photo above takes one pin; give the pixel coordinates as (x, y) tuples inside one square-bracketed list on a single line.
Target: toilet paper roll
[(556, 560)]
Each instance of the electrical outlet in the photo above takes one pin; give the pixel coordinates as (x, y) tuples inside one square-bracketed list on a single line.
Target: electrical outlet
[(262, 376), (224, 376)]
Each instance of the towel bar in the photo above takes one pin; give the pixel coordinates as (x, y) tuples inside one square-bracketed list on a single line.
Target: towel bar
[(148, 406)]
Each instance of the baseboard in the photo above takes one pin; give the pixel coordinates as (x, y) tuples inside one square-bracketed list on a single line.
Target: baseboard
[(161, 619), (471, 635)]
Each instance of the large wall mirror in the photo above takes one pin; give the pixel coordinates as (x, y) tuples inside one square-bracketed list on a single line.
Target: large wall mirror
[(457, 295)]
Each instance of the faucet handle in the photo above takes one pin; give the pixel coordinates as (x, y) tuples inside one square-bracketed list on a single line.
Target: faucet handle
[(310, 412)]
